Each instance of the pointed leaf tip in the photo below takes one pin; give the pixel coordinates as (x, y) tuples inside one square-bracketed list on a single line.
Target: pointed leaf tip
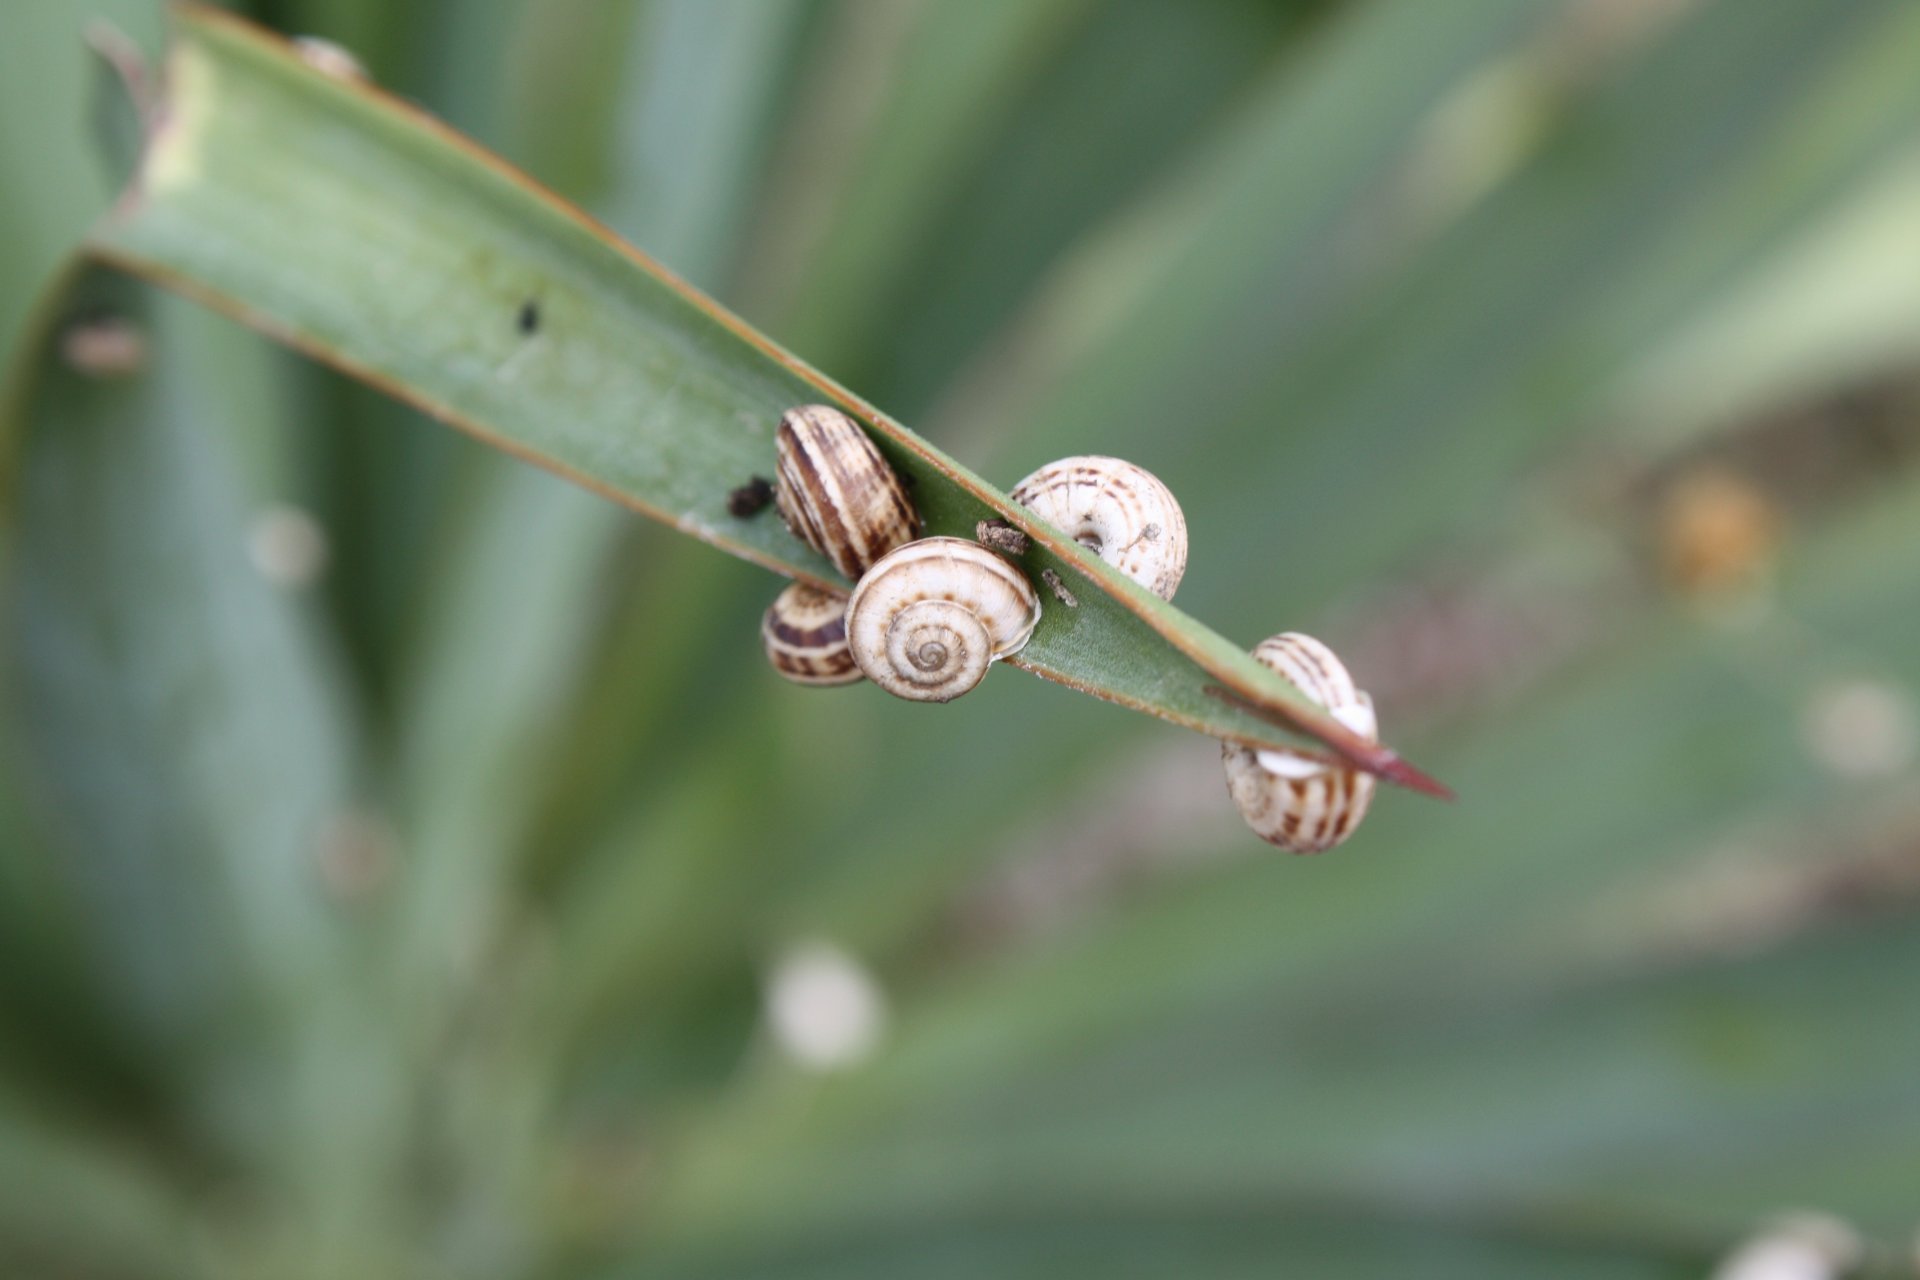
[(1401, 773), (1382, 762)]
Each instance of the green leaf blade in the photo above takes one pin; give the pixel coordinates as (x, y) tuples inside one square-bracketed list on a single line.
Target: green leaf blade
[(374, 239)]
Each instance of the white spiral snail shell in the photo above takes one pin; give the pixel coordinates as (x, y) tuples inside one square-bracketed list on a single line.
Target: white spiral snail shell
[(1293, 801), (804, 632), (836, 492), (929, 618), (1120, 512)]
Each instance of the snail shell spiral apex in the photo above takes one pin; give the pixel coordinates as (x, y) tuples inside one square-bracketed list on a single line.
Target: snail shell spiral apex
[(927, 621), (836, 492), (804, 631), (1120, 512), (1297, 802)]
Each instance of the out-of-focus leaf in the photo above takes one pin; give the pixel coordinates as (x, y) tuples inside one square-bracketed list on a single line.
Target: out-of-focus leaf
[(1345, 357), (72, 1205), (507, 622), (889, 123), (56, 183), (130, 591), (1119, 106), (1838, 307), (1389, 995), (692, 127), (1224, 1237), (514, 307), (1688, 1096), (185, 737)]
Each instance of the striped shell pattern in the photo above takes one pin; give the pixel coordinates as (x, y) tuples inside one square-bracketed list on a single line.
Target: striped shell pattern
[(836, 492), (1120, 512), (927, 621), (804, 631), (1293, 801)]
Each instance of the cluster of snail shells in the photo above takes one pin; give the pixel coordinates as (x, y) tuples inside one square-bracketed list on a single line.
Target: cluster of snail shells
[(1298, 802), (839, 496), (929, 616)]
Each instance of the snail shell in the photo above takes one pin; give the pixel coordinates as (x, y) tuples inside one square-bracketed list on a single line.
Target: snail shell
[(836, 492), (805, 634), (929, 618), (1294, 801), (332, 59), (1120, 512)]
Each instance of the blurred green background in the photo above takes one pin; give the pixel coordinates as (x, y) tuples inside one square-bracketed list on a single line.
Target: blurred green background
[(409, 867)]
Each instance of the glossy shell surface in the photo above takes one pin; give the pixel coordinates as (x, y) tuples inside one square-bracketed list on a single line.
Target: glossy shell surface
[(836, 492), (927, 621), (804, 632), (1297, 802), (1122, 513)]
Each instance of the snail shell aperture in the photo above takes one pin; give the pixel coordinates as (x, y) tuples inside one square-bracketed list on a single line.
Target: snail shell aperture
[(929, 618), (1294, 801), (836, 492), (804, 631), (1122, 513)]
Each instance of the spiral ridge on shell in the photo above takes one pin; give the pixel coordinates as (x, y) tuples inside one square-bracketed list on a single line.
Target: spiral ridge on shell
[(939, 648), (929, 618)]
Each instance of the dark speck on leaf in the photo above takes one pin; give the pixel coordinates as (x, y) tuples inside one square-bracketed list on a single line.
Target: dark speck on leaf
[(529, 316), (750, 498)]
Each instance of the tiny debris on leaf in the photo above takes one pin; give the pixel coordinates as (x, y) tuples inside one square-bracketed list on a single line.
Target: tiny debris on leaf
[(750, 499), (1058, 588), (1002, 537)]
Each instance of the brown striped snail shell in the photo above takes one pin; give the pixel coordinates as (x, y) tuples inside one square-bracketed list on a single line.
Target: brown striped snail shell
[(927, 621), (1120, 512), (1294, 801), (804, 631), (836, 492)]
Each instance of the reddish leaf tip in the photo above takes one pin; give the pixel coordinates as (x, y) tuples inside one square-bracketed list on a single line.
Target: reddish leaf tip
[(1380, 761), (1398, 771)]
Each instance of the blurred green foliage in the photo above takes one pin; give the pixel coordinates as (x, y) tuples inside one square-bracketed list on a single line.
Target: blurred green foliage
[(395, 844)]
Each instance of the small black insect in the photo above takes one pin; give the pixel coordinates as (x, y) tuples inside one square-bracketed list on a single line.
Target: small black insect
[(750, 498), (529, 319)]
